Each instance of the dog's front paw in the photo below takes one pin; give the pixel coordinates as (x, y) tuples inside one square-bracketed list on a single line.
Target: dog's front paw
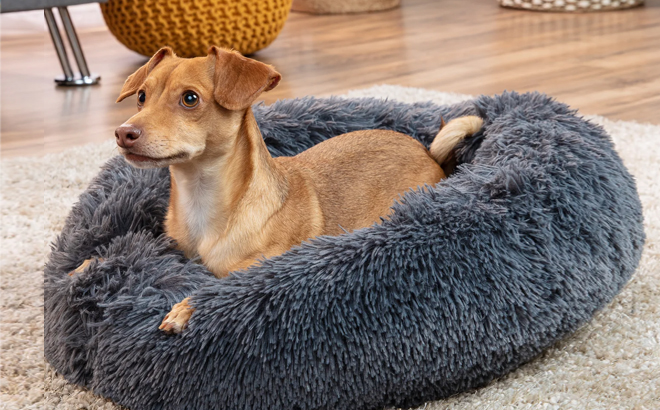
[(177, 320), (84, 265)]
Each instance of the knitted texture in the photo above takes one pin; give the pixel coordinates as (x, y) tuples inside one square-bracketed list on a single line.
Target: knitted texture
[(191, 27), (538, 228)]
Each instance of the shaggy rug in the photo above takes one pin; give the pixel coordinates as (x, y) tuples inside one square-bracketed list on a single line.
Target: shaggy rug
[(611, 363)]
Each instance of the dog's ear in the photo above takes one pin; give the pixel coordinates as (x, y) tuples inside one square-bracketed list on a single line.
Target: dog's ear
[(240, 80), (135, 80)]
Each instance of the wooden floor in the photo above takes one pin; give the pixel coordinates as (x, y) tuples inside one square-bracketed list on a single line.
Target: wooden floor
[(602, 63)]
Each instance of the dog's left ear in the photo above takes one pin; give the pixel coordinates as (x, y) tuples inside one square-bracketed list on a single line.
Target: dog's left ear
[(240, 80), (135, 80)]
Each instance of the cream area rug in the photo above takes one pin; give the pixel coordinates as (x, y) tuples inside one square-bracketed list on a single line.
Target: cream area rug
[(611, 363)]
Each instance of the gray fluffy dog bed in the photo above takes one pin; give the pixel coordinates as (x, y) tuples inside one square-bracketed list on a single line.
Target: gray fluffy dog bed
[(538, 228)]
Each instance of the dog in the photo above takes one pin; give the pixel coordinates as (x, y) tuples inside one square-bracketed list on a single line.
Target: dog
[(231, 203)]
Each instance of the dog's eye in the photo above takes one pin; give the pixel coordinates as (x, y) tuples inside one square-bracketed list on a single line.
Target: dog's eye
[(189, 99), (142, 97)]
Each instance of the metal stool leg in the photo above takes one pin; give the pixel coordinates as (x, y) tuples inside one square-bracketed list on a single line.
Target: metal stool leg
[(86, 78), (58, 44)]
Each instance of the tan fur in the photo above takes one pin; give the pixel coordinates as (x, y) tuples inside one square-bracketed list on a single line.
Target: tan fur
[(231, 203), (451, 134), (86, 263)]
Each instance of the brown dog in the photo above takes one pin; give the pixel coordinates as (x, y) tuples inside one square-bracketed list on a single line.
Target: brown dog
[(231, 203)]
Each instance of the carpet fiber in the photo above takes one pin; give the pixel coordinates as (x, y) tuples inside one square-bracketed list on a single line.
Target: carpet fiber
[(609, 363)]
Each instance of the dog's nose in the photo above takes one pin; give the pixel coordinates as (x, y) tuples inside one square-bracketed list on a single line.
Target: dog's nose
[(126, 135)]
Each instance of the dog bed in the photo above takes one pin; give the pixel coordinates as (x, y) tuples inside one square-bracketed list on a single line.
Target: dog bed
[(539, 227)]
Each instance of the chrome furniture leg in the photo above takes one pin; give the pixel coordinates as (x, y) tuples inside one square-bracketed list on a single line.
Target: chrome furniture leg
[(86, 78)]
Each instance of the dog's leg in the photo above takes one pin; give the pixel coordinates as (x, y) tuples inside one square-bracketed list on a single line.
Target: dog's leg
[(177, 320), (84, 265)]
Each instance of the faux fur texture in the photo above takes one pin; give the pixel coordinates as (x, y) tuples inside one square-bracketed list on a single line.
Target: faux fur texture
[(463, 284)]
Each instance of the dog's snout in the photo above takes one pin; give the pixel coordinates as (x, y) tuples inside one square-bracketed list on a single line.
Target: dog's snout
[(126, 135)]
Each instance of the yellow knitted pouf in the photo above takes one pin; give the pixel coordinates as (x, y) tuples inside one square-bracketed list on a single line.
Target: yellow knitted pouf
[(191, 26)]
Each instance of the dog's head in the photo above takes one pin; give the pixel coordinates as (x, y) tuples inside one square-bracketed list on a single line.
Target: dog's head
[(189, 107)]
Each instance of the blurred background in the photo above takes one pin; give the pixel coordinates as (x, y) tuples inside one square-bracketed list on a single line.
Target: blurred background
[(605, 62)]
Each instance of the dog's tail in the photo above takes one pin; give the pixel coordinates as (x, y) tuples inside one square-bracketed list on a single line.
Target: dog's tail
[(451, 134)]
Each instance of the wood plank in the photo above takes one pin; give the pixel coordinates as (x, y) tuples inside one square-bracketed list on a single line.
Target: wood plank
[(602, 63)]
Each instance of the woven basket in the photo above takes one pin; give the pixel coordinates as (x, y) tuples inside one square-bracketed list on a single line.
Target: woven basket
[(343, 6), (191, 26), (571, 5)]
